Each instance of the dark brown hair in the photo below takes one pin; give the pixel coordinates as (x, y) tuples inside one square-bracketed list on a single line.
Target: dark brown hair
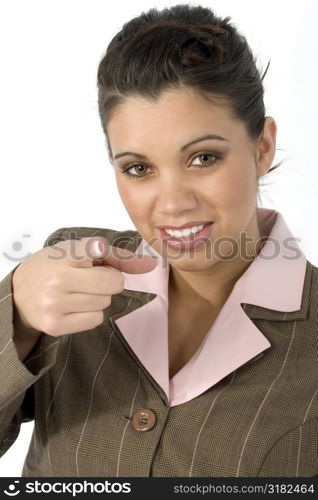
[(182, 46)]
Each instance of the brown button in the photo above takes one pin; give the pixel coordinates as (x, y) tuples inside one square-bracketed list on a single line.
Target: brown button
[(144, 420)]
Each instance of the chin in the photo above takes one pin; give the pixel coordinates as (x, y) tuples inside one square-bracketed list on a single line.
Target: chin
[(191, 262)]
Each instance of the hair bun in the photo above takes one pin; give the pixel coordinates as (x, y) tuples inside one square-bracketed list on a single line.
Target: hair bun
[(203, 46)]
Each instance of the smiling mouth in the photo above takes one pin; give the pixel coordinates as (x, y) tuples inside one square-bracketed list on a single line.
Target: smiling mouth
[(188, 241)]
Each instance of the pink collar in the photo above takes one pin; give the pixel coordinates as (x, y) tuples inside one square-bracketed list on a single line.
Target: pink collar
[(274, 280)]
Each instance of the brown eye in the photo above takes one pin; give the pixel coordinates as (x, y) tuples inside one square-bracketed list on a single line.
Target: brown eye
[(139, 169), (206, 159)]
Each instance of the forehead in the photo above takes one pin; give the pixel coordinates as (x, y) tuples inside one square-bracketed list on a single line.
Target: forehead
[(180, 112)]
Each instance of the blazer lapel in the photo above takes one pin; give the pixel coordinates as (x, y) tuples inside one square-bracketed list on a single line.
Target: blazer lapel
[(272, 291)]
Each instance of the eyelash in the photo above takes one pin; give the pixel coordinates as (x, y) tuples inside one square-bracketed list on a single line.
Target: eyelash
[(137, 177)]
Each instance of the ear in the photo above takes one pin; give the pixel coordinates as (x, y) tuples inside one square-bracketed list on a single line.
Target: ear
[(266, 147)]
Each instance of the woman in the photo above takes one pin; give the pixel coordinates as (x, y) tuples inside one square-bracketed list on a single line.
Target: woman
[(202, 365)]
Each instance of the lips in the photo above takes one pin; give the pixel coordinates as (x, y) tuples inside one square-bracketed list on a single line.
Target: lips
[(188, 242)]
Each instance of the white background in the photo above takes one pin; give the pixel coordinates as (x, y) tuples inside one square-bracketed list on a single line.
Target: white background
[(54, 166)]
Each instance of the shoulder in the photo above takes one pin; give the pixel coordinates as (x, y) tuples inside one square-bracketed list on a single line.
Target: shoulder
[(314, 268), (309, 305), (129, 239), (312, 271)]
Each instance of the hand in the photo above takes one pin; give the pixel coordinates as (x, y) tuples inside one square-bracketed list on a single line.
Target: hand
[(64, 288)]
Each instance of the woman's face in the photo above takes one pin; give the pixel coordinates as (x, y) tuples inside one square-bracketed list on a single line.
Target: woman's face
[(174, 183)]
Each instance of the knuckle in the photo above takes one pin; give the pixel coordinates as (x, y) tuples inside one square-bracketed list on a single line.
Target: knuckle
[(48, 303), (54, 279), (51, 326)]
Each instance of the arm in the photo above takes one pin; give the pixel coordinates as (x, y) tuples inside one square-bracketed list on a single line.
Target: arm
[(25, 355)]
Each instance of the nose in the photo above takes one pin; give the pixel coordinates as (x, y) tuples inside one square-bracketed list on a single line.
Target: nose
[(175, 196)]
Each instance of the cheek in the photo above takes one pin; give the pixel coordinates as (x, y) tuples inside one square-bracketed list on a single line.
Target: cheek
[(133, 200), (236, 187)]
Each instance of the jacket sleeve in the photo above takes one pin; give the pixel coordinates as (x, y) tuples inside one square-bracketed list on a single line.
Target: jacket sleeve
[(17, 377)]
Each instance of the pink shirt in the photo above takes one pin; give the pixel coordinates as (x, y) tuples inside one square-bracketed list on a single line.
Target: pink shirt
[(273, 280)]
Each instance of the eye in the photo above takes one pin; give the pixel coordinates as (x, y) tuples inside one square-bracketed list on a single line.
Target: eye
[(207, 159), (138, 171), (140, 168)]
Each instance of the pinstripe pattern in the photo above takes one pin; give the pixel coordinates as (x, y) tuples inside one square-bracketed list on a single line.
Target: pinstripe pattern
[(90, 404), (298, 455), (82, 390), (27, 361), (3, 413), (266, 396), (5, 347), (3, 298), (55, 390), (308, 408), (200, 431), (130, 416)]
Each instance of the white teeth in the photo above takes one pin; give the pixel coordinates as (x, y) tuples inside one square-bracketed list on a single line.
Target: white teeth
[(185, 232)]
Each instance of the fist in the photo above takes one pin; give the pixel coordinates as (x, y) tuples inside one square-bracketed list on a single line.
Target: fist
[(64, 288)]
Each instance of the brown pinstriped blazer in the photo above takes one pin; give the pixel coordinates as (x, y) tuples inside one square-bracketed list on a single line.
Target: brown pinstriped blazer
[(82, 391)]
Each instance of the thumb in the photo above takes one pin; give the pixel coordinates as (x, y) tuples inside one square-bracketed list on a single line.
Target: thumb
[(120, 258)]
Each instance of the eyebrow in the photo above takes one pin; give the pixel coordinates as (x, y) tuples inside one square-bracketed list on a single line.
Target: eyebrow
[(182, 149)]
